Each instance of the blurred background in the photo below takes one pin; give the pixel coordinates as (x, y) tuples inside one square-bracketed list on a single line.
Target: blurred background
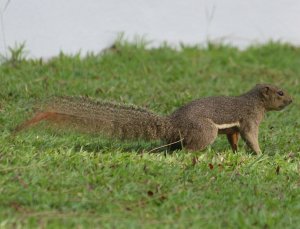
[(50, 26)]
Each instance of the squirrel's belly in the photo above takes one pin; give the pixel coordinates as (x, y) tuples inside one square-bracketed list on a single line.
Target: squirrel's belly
[(227, 125), (228, 128)]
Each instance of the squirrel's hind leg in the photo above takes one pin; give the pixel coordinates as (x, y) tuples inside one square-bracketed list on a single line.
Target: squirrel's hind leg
[(200, 135)]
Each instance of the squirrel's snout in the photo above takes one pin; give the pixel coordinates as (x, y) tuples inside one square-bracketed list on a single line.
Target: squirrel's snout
[(288, 101)]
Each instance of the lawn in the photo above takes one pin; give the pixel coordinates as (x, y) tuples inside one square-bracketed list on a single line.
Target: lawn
[(55, 179)]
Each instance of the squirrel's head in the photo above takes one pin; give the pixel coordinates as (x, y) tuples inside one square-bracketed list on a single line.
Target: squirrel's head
[(273, 97)]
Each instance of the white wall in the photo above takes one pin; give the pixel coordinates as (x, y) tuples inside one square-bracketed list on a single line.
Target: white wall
[(49, 26)]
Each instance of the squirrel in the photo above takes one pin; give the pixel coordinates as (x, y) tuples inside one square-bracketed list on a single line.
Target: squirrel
[(193, 126)]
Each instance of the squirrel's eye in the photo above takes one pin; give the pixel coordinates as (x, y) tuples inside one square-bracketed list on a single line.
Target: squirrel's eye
[(280, 93)]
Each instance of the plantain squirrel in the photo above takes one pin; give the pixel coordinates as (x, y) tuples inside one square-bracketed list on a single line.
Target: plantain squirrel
[(193, 126)]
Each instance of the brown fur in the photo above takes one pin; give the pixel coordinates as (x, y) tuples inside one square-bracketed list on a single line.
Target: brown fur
[(193, 126)]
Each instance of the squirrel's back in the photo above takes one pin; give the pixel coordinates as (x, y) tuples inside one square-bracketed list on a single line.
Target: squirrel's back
[(220, 109)]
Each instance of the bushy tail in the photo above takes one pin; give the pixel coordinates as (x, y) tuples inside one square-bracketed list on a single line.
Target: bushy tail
[(115, 120)]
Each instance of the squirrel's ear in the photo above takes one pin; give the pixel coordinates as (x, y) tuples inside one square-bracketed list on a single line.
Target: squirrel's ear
[(265, 91)]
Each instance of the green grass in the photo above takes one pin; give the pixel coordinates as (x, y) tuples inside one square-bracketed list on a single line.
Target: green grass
[(65, 179)]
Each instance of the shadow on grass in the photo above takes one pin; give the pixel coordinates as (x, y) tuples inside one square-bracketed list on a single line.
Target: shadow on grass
[(137, 147)]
